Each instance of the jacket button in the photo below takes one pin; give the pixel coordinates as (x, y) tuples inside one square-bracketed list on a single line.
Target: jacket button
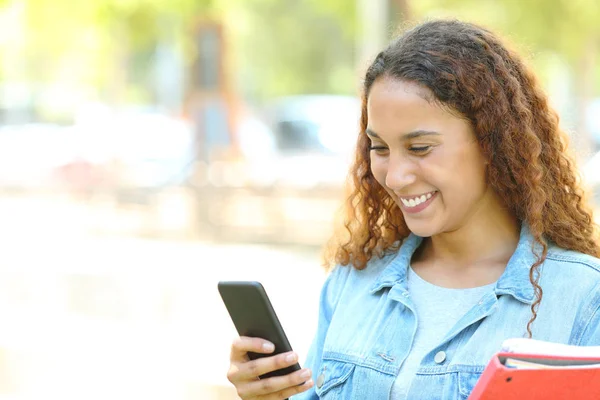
[(320, 380), (440, 357)]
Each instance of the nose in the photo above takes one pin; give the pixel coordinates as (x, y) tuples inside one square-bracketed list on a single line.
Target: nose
[(401, 172)]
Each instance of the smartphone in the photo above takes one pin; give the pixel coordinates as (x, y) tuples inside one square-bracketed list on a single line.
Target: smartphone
[(253, 315)]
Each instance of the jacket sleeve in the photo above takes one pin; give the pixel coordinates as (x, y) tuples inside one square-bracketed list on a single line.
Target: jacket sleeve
[(587, 327), (328, 300)]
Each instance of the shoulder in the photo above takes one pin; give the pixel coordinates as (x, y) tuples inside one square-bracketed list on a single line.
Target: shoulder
[(573, 262), (571, 283), (564, 276), (569, 269)]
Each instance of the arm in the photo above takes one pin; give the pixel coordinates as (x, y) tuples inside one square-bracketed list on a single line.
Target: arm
[(586, 331), (328, 301)]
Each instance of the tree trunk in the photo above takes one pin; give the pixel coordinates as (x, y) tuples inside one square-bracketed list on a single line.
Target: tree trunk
[(401, 11), (373, 36)]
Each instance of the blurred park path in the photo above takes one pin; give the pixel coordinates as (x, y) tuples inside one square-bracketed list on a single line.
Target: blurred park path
[(114, 317)]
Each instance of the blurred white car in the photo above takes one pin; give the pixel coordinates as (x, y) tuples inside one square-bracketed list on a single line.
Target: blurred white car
[(137, 148), (303, 141), (30, 153)]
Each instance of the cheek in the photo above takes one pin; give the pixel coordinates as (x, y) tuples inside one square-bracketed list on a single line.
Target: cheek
[(462, 189), (465, 164), (379, 171), (474, 176)]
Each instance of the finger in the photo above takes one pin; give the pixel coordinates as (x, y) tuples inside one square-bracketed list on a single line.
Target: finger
[(289, 392), (253, 369), (244, 344), (276, 384)]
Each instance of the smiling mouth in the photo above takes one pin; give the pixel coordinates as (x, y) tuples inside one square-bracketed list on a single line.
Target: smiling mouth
[(415, 201)]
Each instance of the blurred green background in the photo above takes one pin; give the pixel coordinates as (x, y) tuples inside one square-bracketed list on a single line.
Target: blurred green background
[(149, 149)]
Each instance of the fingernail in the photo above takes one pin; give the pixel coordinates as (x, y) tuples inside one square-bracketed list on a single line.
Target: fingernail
[(290, 357), (305, 374), (268, 346)]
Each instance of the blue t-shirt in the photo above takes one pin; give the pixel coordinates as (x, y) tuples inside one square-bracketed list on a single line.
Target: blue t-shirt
[(437, 310)]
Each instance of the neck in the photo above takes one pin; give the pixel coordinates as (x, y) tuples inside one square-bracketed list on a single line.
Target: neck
[(487, 237)]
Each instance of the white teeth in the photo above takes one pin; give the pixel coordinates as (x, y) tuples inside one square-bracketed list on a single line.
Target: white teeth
[(417, 200)]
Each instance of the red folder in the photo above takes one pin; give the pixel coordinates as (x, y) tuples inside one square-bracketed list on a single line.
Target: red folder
[(499, 382)]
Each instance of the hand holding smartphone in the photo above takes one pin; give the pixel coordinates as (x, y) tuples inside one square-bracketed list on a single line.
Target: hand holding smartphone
[(253, 315)]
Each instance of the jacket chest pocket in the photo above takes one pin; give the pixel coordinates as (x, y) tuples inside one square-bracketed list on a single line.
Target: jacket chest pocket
[(332, 378), (466, 383)]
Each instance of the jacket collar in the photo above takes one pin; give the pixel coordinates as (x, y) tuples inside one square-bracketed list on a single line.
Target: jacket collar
[(514, 281), (395, 271)]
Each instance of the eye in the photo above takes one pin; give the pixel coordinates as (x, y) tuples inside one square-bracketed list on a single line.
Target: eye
[(419, 149), (378, 149)]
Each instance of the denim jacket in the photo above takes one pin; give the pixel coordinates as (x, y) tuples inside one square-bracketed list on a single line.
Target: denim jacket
[(367, 324)]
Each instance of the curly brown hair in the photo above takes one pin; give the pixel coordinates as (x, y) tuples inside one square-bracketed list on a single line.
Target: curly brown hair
[(470, 71)]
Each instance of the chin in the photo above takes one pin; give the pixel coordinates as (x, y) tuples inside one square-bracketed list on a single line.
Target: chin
[(422, 228)]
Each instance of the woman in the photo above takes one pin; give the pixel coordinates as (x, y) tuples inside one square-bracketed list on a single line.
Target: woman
[(466, 226)]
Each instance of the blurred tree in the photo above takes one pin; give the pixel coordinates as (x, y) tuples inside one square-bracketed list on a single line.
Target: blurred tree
[(279, 46), (101, 45), (292, 46)]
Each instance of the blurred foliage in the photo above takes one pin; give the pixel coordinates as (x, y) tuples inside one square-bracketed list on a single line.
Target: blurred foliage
[(277, 46), (292, 47), (562, 26), (106, 48)]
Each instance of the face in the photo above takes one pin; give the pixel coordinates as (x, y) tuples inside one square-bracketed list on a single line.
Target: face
[(426, 158)]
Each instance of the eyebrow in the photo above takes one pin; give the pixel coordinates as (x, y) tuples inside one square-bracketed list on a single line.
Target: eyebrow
[(410, 135)]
